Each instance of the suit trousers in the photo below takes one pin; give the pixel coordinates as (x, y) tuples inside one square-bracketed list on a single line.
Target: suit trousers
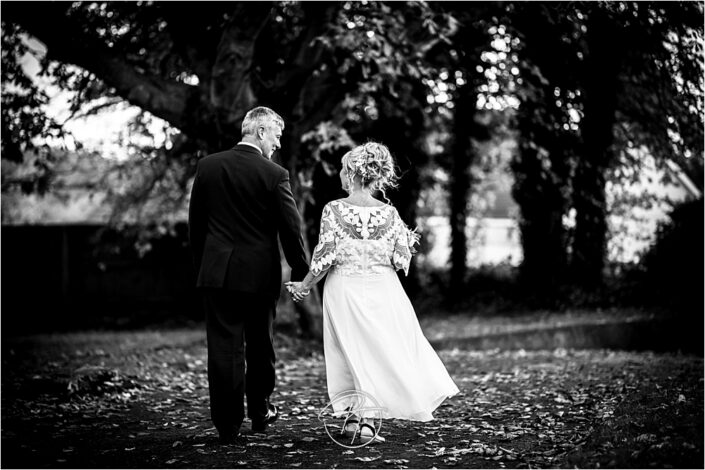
[(239, 330)]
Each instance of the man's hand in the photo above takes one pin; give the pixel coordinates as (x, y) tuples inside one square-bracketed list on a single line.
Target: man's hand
[(297, 290)]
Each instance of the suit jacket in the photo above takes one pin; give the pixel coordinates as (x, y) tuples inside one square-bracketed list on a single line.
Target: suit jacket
[(240, 202)]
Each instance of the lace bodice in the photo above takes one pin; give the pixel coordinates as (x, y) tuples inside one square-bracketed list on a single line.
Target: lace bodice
[(357, 240)]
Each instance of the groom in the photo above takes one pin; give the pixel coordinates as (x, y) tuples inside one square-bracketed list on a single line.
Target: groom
[(240, 202)]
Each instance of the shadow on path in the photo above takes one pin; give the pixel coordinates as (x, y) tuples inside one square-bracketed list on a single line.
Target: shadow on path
[(139, 400)]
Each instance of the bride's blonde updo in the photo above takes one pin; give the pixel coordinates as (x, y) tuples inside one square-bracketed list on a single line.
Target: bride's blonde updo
[(374, 166)]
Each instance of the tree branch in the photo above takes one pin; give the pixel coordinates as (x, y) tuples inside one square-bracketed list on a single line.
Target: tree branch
[(196, 32), (306, 54), (68, 41)]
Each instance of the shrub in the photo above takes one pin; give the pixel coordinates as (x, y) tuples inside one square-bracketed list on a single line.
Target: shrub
[(672, 269)]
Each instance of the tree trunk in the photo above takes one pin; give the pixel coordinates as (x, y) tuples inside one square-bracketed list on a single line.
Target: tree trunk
[(545, 161), (463, 154), (309, 312), (304, 99), (539, 191), (602, 68)]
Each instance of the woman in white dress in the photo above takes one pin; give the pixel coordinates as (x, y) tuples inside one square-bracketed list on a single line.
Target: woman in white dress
[(372, 339)]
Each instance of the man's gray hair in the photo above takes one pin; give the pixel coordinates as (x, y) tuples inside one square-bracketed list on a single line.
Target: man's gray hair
[(258, 117)]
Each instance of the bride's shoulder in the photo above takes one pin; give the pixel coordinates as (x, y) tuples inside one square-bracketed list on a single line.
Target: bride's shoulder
[(391, 208), (334, 206), (335, 203)]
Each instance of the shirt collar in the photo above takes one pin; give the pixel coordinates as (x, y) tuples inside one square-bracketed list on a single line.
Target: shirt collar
[(251, 145)]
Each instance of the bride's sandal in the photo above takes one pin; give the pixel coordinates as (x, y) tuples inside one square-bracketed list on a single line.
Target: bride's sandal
[(351, 426), (369, 433)]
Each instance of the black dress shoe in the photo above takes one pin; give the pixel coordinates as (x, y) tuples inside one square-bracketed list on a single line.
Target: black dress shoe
[(260, 425)]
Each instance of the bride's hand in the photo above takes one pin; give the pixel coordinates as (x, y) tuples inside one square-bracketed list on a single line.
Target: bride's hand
[(297, 291)]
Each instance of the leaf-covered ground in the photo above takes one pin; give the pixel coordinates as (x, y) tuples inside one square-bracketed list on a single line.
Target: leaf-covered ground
[(140, 400)]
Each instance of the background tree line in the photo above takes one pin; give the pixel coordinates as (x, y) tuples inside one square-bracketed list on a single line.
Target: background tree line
[(585, 88)]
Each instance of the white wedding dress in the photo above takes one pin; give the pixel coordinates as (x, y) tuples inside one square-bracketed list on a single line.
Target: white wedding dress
[(372, 338)]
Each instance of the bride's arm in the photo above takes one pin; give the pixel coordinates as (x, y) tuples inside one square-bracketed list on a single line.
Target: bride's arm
[(310, 280)]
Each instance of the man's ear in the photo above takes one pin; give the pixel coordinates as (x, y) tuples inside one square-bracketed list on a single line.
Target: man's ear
[(260, 132)]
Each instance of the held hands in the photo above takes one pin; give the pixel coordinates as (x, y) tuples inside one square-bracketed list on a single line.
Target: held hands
[(297, 290)]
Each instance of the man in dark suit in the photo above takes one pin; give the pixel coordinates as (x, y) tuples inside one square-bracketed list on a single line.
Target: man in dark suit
[(240, 202)]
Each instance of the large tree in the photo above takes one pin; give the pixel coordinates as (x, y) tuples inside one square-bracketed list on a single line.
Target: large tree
[(598, 80), (201, 67), (198, 68), (543, 165), (642, 85), (466, 69)]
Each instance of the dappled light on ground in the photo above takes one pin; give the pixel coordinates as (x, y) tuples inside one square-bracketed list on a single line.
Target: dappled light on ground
[(140, 400)]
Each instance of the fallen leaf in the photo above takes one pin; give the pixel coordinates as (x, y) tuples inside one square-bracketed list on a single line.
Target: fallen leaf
[(367, 459)]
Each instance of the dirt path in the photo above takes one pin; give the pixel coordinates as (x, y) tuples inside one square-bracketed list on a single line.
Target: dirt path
[(140, 400)]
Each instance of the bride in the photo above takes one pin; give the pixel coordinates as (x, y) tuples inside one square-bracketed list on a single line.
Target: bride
[(371, 337)]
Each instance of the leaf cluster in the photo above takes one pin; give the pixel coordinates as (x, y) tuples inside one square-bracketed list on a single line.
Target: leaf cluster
[(23, 118)]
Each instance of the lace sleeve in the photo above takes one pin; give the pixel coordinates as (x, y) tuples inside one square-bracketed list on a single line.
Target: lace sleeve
[(325, 252), (404, 242)]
